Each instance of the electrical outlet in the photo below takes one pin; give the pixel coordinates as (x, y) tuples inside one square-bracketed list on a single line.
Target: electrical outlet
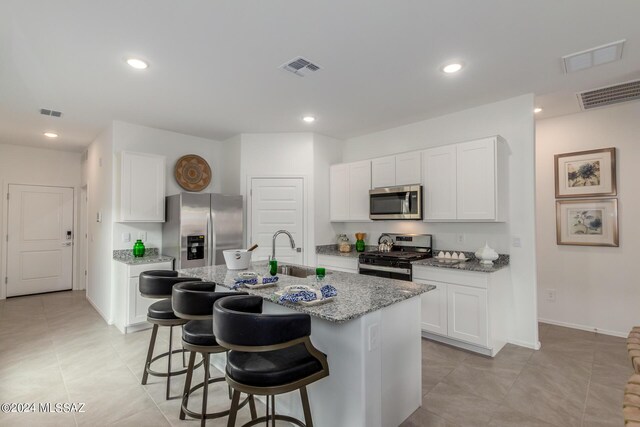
[(550, 295), (516, 242), (142, 235), (374, 337), (460, 238), (126, 237)]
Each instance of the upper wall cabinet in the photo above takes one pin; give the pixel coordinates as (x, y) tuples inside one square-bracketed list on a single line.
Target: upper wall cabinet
[(349, 186), (402, 169), (466, 182), (141, 187)]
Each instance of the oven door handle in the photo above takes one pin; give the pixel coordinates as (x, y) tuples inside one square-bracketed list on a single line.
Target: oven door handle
[(406, 271)]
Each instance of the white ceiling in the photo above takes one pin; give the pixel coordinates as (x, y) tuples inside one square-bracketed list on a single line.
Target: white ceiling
[(214, 64)]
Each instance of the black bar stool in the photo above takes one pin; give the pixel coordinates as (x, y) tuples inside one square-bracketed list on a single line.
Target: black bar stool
[(158, 284), (270, 355), (194, 301)]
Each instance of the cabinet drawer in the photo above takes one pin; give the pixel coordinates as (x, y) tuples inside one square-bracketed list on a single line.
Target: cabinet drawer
[(135, 270), (458, 277), (349, 265)]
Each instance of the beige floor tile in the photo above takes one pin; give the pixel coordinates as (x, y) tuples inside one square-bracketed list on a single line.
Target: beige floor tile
[(508, 417), (490, 382), (458, 406), (604, 406), (421, 417), (37, 419), (434, 370), (611, 353), (614, 376)]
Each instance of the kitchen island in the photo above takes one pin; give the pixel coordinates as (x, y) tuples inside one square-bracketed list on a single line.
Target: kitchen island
[(372, 337)]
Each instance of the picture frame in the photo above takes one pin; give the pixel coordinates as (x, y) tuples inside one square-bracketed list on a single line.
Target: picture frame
[(587, 222), (586, 173)]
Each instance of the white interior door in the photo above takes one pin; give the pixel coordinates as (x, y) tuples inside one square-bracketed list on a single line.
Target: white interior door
[(40, 244), (277, 204)]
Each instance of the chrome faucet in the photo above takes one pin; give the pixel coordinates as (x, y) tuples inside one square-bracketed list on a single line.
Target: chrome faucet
[(273, 242)]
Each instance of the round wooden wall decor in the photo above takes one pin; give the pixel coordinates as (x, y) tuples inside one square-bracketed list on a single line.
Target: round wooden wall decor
[(193, 172)]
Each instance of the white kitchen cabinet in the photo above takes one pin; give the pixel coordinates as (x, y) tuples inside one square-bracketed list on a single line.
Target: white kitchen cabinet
[(383, 172), (408, 168), (466, 182), (349, 186), (130, 309), (338, 263), (439, 186), (467, 317), (467, 309), (401, 169), (434, 308), (141, 187)]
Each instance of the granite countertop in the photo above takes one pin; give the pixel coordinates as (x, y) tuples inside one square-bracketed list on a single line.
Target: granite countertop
[(332, 250), (151, 256), (357, 294), (472, 264)]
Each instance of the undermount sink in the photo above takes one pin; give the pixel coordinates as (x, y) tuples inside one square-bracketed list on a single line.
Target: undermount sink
[(297, 271)]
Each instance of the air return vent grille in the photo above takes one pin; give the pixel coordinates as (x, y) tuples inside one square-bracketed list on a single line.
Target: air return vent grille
[(300, 66), (624, 92), (52, 113)]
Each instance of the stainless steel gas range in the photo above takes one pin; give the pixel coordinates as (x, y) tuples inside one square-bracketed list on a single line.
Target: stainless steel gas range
[(395, 263)]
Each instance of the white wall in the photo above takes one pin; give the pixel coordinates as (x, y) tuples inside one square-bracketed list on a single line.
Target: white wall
[(326, 151), (99, 170), (230, 167), (513, 120), (37, 166), (597, 287)]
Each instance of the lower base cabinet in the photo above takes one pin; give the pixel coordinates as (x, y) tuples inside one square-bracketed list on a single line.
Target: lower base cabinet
[(466, 309), (131, 307), (338, 263)]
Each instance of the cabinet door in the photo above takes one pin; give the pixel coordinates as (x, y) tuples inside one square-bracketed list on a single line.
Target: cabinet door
[(359, 186), (138, 305), (467, 314), (476, 183), (408, 170), (142, 187), (383, 172), (434, 308), (339, 192), (439, 184)]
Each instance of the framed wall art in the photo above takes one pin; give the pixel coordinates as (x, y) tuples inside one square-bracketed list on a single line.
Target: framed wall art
[(587, 222), (586, 173)]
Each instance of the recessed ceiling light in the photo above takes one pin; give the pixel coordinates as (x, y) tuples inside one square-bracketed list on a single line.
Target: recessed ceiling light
[(537, 110), (309, 119), (136, 63), (51, 134), (452, 68)]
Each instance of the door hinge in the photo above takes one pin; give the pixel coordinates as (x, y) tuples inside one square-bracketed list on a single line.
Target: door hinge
[(6, 280), (85, 272)]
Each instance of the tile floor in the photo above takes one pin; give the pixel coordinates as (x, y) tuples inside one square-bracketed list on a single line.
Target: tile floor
[(56, 348)]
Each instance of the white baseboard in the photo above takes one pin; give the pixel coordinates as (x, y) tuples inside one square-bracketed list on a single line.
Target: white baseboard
[(106, 318), (525, 344), (585, 328)]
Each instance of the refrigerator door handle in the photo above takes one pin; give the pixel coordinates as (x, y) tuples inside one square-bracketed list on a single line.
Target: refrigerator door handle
[(209, 240)]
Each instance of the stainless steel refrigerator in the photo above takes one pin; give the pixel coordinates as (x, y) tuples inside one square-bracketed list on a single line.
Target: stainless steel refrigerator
[(200, 226)]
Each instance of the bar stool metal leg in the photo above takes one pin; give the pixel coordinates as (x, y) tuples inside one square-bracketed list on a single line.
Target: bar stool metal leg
[(187, 383), (304, 396), (205, 389), (169, 361), (152, 343)]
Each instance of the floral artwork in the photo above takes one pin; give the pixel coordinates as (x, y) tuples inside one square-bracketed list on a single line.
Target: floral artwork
[(585, 221), (583, 174), (586, 173)]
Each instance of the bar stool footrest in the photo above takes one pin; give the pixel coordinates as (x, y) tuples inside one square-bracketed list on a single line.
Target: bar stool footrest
[(211, 415), (278, 417), (172, 373)]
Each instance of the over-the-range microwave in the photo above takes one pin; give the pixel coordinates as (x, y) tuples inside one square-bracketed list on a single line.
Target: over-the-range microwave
[(403, 202)]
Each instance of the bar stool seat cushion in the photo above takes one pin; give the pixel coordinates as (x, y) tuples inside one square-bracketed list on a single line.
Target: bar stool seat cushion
[(272, 368), (199, 332), (161, 310)]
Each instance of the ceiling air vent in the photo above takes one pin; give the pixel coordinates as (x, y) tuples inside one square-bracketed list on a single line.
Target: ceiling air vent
[(591, 57), (300, 66), (52, 113), (623, 92)]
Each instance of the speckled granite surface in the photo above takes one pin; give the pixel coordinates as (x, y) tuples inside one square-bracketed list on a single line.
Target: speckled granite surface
[(357, 294), (472, 264), (151, 255), (332, 250)]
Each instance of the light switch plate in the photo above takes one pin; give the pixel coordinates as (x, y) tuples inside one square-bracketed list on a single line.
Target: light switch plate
[(126, 237), (142, 235)]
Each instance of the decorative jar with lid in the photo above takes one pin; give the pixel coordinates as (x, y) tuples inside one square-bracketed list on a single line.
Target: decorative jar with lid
[(343, 243)]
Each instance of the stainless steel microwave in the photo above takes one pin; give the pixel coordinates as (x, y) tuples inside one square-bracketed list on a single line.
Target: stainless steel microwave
[(403, 202)]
